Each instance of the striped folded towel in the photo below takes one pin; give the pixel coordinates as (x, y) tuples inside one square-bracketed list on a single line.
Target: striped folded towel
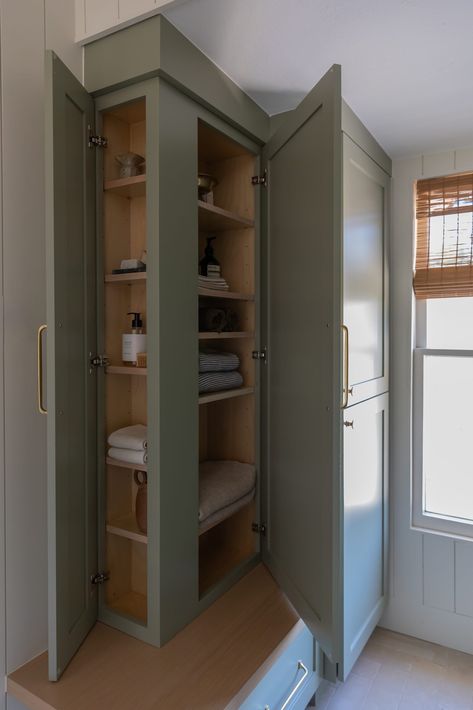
[(215, 381), (218, 361), (214, 283)]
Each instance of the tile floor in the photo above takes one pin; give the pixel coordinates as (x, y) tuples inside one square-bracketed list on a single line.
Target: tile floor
[(397, 672)]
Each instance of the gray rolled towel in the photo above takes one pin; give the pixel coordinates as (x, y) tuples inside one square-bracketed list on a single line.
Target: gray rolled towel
[(217, 361), (215, 381)]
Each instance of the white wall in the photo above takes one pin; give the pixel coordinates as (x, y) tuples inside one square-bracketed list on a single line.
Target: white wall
[(26, 29), (431, 575)]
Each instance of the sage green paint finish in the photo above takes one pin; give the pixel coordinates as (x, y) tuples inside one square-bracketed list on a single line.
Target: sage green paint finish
[(146, 632), (302, 380), (354, 128), (155, 48), (71, 388)]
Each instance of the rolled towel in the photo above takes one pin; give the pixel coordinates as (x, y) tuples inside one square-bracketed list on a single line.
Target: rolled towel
[(222, 483), (215, 381), (129, 455), (133, 437), (218, 361)]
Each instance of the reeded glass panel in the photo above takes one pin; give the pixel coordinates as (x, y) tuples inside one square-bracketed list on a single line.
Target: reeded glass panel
[(447, 458), (450, 323)]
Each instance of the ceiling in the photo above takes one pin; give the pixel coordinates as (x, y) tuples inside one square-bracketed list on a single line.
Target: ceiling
[(407, 65)]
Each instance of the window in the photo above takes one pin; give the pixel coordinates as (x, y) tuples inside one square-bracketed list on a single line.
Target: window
[(443, 359)]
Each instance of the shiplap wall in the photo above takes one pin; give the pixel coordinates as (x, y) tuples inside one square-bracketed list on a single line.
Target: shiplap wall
[(26, 29), (431, 575), (95, 18)]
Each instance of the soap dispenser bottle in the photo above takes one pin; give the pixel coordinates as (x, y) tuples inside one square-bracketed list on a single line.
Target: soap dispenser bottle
[(133, 342), (209, 266)]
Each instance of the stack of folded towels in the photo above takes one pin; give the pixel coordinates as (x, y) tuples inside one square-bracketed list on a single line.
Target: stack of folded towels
[(218, 371), (216, 283), (129, 444), (224, 488)]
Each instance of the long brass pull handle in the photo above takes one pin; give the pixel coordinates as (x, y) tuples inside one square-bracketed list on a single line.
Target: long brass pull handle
[(346, 345), (41, 330), (300, 667)]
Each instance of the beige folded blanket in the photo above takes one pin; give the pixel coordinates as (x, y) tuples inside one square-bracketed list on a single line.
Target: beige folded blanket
[(226, 512), (222, 483), (128, 455), (133, 437)]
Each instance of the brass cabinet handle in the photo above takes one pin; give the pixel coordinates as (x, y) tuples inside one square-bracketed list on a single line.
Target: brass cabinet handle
[(300, 667), (41, 330), (346, 344)]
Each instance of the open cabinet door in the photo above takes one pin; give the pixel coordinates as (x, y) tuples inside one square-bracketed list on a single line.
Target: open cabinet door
[(71, 385), (302, 377)]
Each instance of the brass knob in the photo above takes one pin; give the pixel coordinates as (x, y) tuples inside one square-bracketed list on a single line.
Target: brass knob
[(349, 424)]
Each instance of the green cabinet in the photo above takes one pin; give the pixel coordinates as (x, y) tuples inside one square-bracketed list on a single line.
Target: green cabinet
[(276, 210)]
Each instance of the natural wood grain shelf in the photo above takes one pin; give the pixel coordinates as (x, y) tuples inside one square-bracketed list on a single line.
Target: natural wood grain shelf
[(124, 370), (227, 335), (126, 526), (216, 219), (225, 394), (127, 187), (131, 604), (213, 293), (124, 464), (126, 279)]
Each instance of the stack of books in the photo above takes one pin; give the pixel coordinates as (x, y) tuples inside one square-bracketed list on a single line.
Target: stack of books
[(210, 282)]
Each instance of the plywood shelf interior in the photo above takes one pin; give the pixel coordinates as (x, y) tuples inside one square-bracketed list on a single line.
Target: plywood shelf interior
[(227, 335), (126, 526), (126, 279), (233, 295), (127, 187), (124, 370), (132, 604), (124, 464), (226, 394), (216, 219)]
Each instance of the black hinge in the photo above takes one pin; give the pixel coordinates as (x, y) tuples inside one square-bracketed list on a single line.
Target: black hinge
[(99, 360), (100, 578), (260, 355), (259, 528), (96, 141), (260, 179)]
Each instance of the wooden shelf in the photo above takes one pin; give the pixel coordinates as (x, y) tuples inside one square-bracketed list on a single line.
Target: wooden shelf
[(131, 604), (233, 295), (216, 219), (226, 336), (124, 370), (127, 187), (126, 279), (225, 394), (124, 464), (126, 526)]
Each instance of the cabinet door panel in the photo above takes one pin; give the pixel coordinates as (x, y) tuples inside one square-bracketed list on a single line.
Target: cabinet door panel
[(365, 483), (71, 386), (365, 198), (302, 375)]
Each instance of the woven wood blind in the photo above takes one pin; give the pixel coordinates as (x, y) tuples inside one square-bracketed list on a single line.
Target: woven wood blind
[(444, 237)]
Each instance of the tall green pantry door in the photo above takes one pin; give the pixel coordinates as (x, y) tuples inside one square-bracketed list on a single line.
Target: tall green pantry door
[(71, 384)]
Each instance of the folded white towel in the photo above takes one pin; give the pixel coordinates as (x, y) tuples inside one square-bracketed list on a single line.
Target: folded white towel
[(130, 437), (129, 455)]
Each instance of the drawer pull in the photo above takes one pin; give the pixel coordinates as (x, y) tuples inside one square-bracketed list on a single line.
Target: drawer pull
[(300, 667)]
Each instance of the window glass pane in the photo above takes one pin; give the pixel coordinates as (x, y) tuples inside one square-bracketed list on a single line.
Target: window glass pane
[(450, 323), (447, 457)]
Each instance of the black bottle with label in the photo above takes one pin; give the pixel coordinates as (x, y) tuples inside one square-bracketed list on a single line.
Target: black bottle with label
[(208, 265)]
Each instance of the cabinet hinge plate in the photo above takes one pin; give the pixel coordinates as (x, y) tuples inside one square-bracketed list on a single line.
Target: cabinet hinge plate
[(99, 361), (96, 141), (261, 355), (100, 578), (260, 179), (259, 528)]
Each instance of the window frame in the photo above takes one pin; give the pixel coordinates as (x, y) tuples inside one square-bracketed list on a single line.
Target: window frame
[(421, 519)]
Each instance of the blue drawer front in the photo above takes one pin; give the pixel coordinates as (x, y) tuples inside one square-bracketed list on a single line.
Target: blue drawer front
[(284, 675)]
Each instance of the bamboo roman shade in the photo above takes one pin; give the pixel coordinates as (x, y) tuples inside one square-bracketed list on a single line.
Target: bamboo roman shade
[(444, 237)]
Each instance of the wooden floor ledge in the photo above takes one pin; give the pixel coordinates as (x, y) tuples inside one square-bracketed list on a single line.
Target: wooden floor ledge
[(202, 668)]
